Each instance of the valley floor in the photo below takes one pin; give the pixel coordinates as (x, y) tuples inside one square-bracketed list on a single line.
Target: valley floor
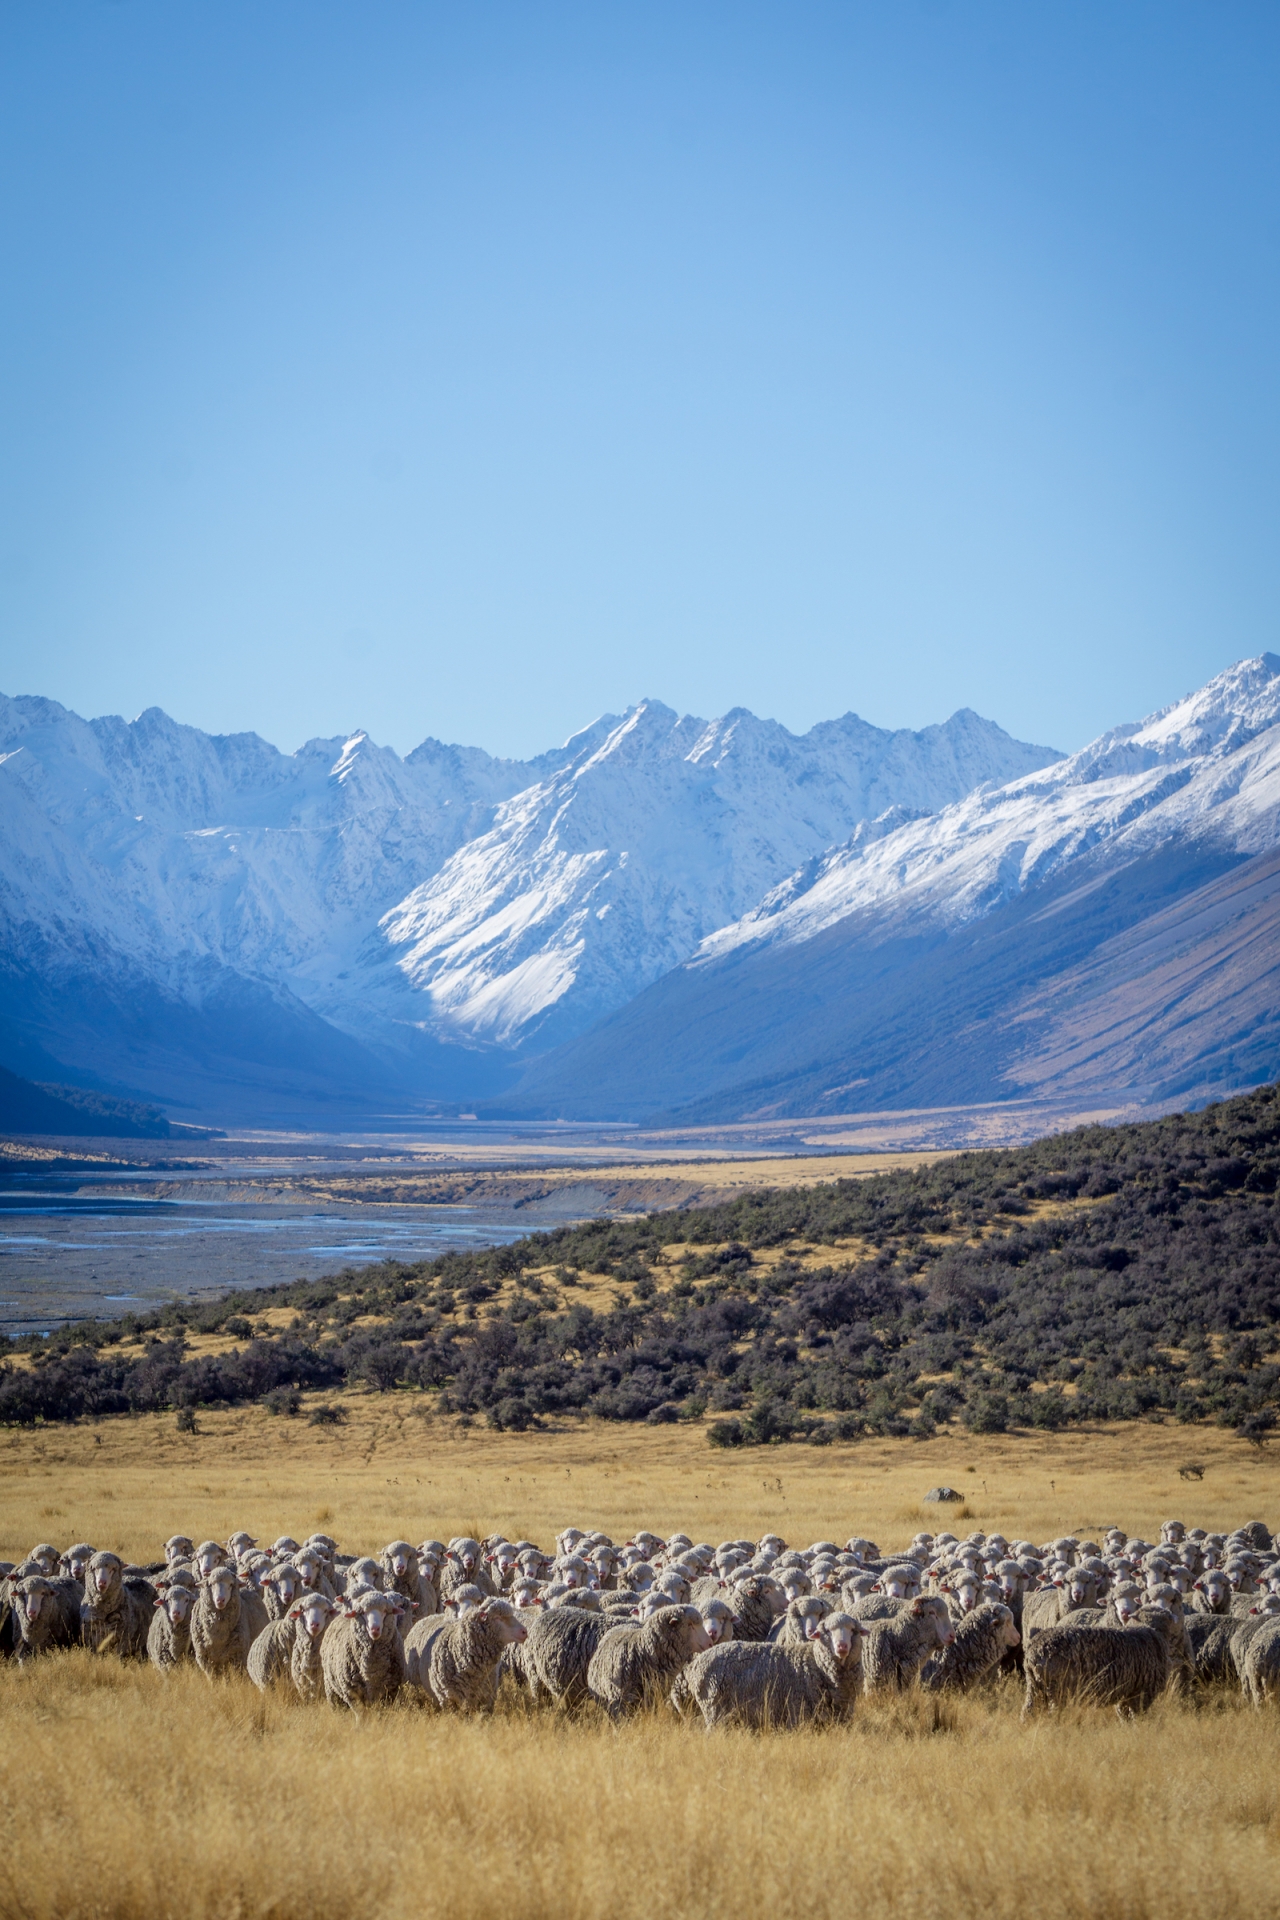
[(128, 1798)]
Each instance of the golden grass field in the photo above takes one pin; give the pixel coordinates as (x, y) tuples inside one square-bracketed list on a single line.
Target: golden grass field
[(128, 1796)]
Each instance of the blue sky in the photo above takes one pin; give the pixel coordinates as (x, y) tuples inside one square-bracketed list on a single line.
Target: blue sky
[(470, 371)]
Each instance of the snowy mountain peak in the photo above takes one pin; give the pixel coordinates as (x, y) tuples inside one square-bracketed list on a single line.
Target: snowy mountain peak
[(608, 871), (1206, 767)]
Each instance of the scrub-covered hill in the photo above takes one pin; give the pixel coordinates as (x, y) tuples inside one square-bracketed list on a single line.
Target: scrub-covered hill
[(1106, 1273)]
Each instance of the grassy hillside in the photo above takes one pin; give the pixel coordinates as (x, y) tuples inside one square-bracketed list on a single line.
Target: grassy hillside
[(1110, 1273)]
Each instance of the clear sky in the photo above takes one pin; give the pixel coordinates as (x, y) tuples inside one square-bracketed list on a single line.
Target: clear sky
[(470, 370)]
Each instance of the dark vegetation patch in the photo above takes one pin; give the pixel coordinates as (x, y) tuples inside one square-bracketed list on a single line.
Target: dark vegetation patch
[(1148, 1286)]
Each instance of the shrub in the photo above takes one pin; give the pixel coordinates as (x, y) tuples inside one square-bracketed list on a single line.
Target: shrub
[(286, 1400), (989, 1413), (726, 1433), (664, 1415), (327, 1416), (512, 1415), (185, 1420)]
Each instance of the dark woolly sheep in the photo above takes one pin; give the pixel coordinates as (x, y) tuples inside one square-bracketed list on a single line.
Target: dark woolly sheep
[(760, 1685), (982, 1638), (169, 1635), (755, 1603), (1259, 1662), (1219, 1645), (460, 1662), (632, 1661), (220, 1638), (1122, 1667), (896, 1649), (361, 1655), (115, 1613), (46, 1614)]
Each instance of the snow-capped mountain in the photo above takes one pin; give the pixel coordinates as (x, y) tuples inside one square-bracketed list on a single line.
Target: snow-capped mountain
[(598, 879), (1108, 925), (1207, 767), (152, 876)]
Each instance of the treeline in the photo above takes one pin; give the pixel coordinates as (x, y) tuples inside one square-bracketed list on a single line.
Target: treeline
[(1109, 1273)]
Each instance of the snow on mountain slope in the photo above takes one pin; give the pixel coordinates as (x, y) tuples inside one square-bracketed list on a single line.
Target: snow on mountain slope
[(448, 893), (172, 846), (601, 877), (1206, 768)]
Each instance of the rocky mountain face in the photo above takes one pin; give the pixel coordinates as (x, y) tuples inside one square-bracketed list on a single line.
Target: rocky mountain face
[(601, 877), (1108, 924), (213, 922)]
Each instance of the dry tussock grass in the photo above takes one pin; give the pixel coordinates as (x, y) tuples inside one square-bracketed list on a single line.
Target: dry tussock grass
[(395, 1471), (127, 1798)]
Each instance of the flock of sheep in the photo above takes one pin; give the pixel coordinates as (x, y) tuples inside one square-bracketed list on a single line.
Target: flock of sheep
[(751, 1631)]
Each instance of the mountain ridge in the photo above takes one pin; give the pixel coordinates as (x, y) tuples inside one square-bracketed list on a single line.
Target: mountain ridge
[(219, 901), (1016, 905)]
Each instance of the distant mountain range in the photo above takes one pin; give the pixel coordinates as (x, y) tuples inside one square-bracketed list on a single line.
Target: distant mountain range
[(231, 930), (665, 916)]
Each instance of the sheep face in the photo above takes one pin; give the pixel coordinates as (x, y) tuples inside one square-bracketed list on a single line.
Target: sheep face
[(842, 1634), (104, 1573), (207, 1557), (285, 1582), (308, 1565), (500, 1615), (376, 1618), (177, 1602), (77, 1561), (34, 1595), (221, 1584), (313, 1614), (934, 1611), (398, 1557)]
